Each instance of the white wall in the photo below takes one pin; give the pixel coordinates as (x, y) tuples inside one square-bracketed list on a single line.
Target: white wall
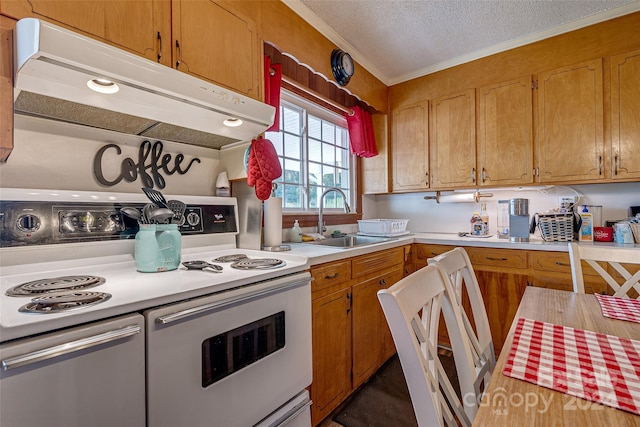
[(429, 216), (59, 156)]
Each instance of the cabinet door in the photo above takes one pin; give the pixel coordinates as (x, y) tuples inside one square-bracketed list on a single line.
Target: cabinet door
[(570, 123), (409, 148), (501, 293), (388, 346), (367, 332), (375, 170), (331, 329), (505, 133), (141, 27), (453, 141), (625, 115), (214, 42), (372, 340), (6, 87)]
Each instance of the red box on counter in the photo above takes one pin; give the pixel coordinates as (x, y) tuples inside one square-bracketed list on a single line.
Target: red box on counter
[(603, 234)]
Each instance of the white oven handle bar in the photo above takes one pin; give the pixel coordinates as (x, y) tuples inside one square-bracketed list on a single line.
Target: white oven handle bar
[(226, 303), (70, 347), (293, 415)]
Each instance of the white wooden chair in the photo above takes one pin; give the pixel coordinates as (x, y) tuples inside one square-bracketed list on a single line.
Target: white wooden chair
[(614, 256), (412, 308), (457, 265)]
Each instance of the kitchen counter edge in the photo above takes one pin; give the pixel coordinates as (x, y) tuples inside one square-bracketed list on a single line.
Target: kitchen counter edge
[(318, 254)]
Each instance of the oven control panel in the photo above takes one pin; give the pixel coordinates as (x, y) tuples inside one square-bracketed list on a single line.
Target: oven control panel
[(72, 222), (39, 223)]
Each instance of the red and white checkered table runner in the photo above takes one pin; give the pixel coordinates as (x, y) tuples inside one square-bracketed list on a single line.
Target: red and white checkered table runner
[(619, 308), (593, 366)]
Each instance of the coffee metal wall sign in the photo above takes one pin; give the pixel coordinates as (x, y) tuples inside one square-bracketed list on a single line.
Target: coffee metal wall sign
[(149, 164)]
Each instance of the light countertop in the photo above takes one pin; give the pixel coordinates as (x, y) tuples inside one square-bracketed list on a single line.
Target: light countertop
[(319, 254)]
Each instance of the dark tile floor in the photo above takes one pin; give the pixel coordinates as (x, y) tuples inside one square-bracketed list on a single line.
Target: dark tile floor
[(384, 399)]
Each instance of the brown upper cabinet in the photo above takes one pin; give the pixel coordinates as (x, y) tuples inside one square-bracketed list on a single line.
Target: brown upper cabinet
[(375, 170), (625, 116), (141, 27), (6, 87), (410, 148), (214, 42), (207, 39), (505, 133), (570, 144), (452, 139)]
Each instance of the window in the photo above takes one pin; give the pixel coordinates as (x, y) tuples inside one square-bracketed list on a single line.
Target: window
[(313, 148)]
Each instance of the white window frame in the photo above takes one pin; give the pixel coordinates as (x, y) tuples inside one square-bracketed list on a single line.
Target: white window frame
[(307, 107)]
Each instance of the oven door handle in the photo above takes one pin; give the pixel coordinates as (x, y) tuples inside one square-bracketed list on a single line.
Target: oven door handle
[(70, 347), (297, 411), (179, 315)]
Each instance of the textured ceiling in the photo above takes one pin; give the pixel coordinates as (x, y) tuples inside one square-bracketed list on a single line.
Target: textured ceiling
[(397, 40)]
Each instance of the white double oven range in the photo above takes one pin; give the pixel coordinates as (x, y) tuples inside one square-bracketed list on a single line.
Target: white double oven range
[(86, 339)]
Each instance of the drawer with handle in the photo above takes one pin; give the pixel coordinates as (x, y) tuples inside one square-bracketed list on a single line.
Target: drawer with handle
[(333, 273), (557, 262), (426, 251), (504, 258)]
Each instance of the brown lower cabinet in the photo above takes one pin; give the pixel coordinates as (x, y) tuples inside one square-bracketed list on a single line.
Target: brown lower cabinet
[(351, 339), (502, 293), (503, 275), (331, 325)]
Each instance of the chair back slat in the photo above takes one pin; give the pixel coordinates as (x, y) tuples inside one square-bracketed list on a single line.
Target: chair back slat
[(610, 256), (458, 267), (413, 307)]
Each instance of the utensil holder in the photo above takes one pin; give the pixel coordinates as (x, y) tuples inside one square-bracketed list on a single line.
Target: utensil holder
[(157, 248)]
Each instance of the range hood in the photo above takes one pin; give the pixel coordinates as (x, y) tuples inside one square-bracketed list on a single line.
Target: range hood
[(53, 67)]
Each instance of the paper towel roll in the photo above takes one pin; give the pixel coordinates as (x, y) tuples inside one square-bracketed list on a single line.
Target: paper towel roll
[(273, 221), (458, 197)]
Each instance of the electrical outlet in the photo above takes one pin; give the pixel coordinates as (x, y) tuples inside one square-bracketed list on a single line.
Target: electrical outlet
[(566, 201)]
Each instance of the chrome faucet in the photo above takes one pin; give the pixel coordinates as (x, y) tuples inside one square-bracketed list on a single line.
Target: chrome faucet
[(321, 227)]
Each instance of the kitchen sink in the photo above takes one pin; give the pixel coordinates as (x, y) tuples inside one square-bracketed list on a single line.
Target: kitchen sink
[(350, 241)]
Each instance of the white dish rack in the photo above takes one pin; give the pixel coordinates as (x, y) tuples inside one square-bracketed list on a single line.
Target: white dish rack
[(383, 227)]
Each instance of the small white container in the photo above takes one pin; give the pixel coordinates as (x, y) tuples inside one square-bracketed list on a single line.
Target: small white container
[(295, 235)]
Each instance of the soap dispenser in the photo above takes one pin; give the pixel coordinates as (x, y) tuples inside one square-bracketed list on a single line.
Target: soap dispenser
[(586, 226), (296, 233)]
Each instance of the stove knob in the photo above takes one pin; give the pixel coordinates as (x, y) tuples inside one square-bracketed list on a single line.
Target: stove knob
[(28, 223), (193, 219)]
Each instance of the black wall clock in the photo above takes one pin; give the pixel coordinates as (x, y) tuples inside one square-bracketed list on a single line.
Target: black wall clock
[(342, 66)]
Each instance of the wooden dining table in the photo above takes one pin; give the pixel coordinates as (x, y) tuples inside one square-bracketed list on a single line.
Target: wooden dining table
[(512, 402)]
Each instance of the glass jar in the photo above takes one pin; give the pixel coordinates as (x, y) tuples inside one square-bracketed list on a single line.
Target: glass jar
[(146, 251), (170, 246), (478, 227)]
